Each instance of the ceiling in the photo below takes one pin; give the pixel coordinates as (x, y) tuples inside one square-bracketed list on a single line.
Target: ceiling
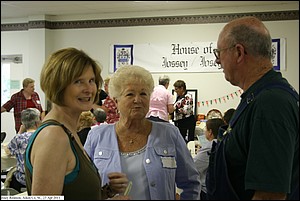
[(24, 9)]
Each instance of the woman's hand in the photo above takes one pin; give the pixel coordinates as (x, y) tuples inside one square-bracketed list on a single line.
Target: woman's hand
[(118, 182)]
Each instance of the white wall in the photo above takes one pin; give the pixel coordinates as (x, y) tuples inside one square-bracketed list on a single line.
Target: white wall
[(35, 45)]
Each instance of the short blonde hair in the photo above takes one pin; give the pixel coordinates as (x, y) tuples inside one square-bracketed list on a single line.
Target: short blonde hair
[(27, 81), (126, 75), (86, 119), (106, 80), (62, 68)]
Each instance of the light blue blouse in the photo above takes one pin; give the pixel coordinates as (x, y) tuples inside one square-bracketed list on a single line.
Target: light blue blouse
[(135, 171), (202, 161)]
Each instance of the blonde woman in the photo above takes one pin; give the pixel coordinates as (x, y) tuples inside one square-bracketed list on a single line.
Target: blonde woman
[(55, 161), (86, 120)]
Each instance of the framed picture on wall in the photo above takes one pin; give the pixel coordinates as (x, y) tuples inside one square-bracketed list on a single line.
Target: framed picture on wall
[(278, 54), (194, 94), (123, 55)]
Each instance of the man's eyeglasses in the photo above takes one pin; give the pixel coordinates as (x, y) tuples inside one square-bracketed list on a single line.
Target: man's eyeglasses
[(217, 51)]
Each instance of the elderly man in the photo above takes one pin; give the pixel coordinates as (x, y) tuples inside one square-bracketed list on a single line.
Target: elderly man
[(260, 148)]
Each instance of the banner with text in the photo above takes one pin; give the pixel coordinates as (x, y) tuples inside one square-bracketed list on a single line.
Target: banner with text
[(181, 57), (169, 57)]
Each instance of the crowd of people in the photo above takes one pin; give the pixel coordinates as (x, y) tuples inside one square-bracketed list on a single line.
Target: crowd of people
[(94, 143)]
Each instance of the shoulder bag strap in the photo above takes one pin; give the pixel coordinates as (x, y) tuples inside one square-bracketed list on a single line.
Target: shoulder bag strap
[(251, 97)]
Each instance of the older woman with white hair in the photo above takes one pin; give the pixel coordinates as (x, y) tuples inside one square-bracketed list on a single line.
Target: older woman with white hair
[(30, 119), (153, 155)]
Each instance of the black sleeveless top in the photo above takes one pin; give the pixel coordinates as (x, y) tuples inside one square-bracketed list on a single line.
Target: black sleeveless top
[(83, 183)]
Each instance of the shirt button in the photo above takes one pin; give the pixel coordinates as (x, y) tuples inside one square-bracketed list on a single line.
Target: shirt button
[(147, 160), (100, 153), (152, 184)]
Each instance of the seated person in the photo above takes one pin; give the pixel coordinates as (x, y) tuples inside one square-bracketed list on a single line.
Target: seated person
[(30, 119), (227, 115), (202, 158), (85, 122), (99, 117), (214, 113)]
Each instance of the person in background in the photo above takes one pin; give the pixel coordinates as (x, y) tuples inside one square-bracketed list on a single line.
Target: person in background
[(99, 117), (161, 101), (109, 105), (184, 117), (261, 147), (202, 158), (85, 122), (214, 113), (25, 98), (102, 96), (55, 161), (30, 119), (228, 115), (152, 154)]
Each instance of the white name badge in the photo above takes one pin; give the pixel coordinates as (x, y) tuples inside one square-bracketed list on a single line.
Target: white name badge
[(169, 162)]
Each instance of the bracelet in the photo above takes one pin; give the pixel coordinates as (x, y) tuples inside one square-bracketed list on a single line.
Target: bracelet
[(108, 191)]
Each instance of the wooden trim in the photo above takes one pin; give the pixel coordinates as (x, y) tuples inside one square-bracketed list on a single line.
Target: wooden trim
[(147, 21)]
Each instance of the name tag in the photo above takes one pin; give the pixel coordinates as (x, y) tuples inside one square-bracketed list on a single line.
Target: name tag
[(169, 162)]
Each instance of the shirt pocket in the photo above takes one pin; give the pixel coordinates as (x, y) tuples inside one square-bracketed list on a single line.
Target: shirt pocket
[(102, 157), (167, 156)]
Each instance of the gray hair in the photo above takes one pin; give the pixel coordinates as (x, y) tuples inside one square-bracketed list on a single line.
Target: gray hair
[(163, 80), (30, 117), (126, 75), (256, 43), (100, 115)]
